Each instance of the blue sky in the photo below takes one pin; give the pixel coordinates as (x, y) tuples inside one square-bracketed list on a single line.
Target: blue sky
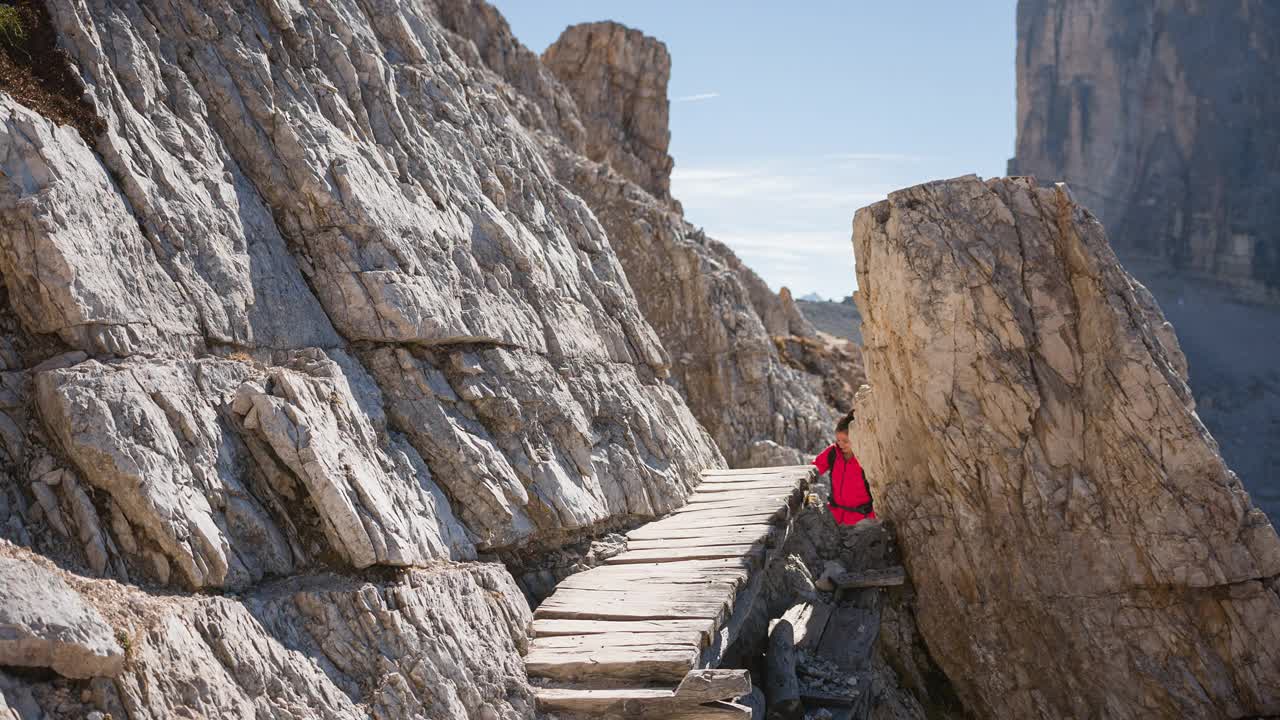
[(787, 117)]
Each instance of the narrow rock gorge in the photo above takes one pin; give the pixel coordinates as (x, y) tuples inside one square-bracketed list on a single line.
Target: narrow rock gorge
[(334, 334), (1078, 546)]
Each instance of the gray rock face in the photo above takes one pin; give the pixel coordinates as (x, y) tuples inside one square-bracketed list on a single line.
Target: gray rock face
[(699, 298), (1078, 545), (44, 623), (1160, 115), (387, 179), (436, 644), (313, 305), (618, 79), (714, 315)]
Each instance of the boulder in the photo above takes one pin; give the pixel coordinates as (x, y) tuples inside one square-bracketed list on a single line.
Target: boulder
[(46, 624), (1078, 546)]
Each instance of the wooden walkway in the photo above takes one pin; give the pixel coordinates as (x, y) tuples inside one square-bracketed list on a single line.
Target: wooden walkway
[(630, 638)]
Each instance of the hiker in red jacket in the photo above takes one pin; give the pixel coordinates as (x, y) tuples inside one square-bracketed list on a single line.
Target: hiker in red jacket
[(850, 501)]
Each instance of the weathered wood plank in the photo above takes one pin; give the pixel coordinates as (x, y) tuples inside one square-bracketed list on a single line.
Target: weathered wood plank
[(801, 470), (606, 589), (711, 482), (552, 627), (735, 506), (703, 541), (659, 664), (667, 610), (719, 519), (630, 703), (673, 580), (779, 495), (638, 592), (610, 702), (685, 553), (637, 595), (719, 488), (619, 640), (648, 532), (672, 572)]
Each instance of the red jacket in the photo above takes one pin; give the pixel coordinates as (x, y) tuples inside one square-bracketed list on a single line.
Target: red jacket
[(848, 486)]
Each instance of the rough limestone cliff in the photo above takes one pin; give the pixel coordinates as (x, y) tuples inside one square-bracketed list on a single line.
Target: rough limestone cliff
[(1161, 118), (311, 308), (1078, 546), (716, 317)]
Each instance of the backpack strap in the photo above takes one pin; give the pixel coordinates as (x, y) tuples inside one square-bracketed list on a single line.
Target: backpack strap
[(831, 461)]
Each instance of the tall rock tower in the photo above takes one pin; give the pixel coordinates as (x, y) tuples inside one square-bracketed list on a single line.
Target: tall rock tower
[(1160, 115)]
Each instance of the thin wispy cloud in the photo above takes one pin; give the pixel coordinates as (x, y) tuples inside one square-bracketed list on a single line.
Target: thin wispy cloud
[(696, 98), (789, 218), (872, 157), (780, 189)]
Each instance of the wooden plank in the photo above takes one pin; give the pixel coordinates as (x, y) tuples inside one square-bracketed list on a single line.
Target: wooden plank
[(730, 581), (779, 470), (779, 495), (654, 586), (638, 591), (711, 481), (638, 594), (734, 506), (632, 703), (664, 610), (685, 553), (550, 627), (674, 572), (719, 488), (704, 541), (608, 702), (659, 663), (649, 532), (620, 640), (885, 577), (718, 519)]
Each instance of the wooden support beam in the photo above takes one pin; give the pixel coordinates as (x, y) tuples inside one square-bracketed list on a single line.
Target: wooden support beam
[(781, 688), (885, 577)]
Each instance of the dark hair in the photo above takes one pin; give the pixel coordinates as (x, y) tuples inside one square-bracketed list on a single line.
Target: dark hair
[(843, 425)]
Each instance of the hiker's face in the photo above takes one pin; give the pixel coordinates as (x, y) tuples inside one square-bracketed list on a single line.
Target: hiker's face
[(842, 442)]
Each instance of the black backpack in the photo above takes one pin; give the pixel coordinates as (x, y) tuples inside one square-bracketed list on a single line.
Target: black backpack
[(862, 509)]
